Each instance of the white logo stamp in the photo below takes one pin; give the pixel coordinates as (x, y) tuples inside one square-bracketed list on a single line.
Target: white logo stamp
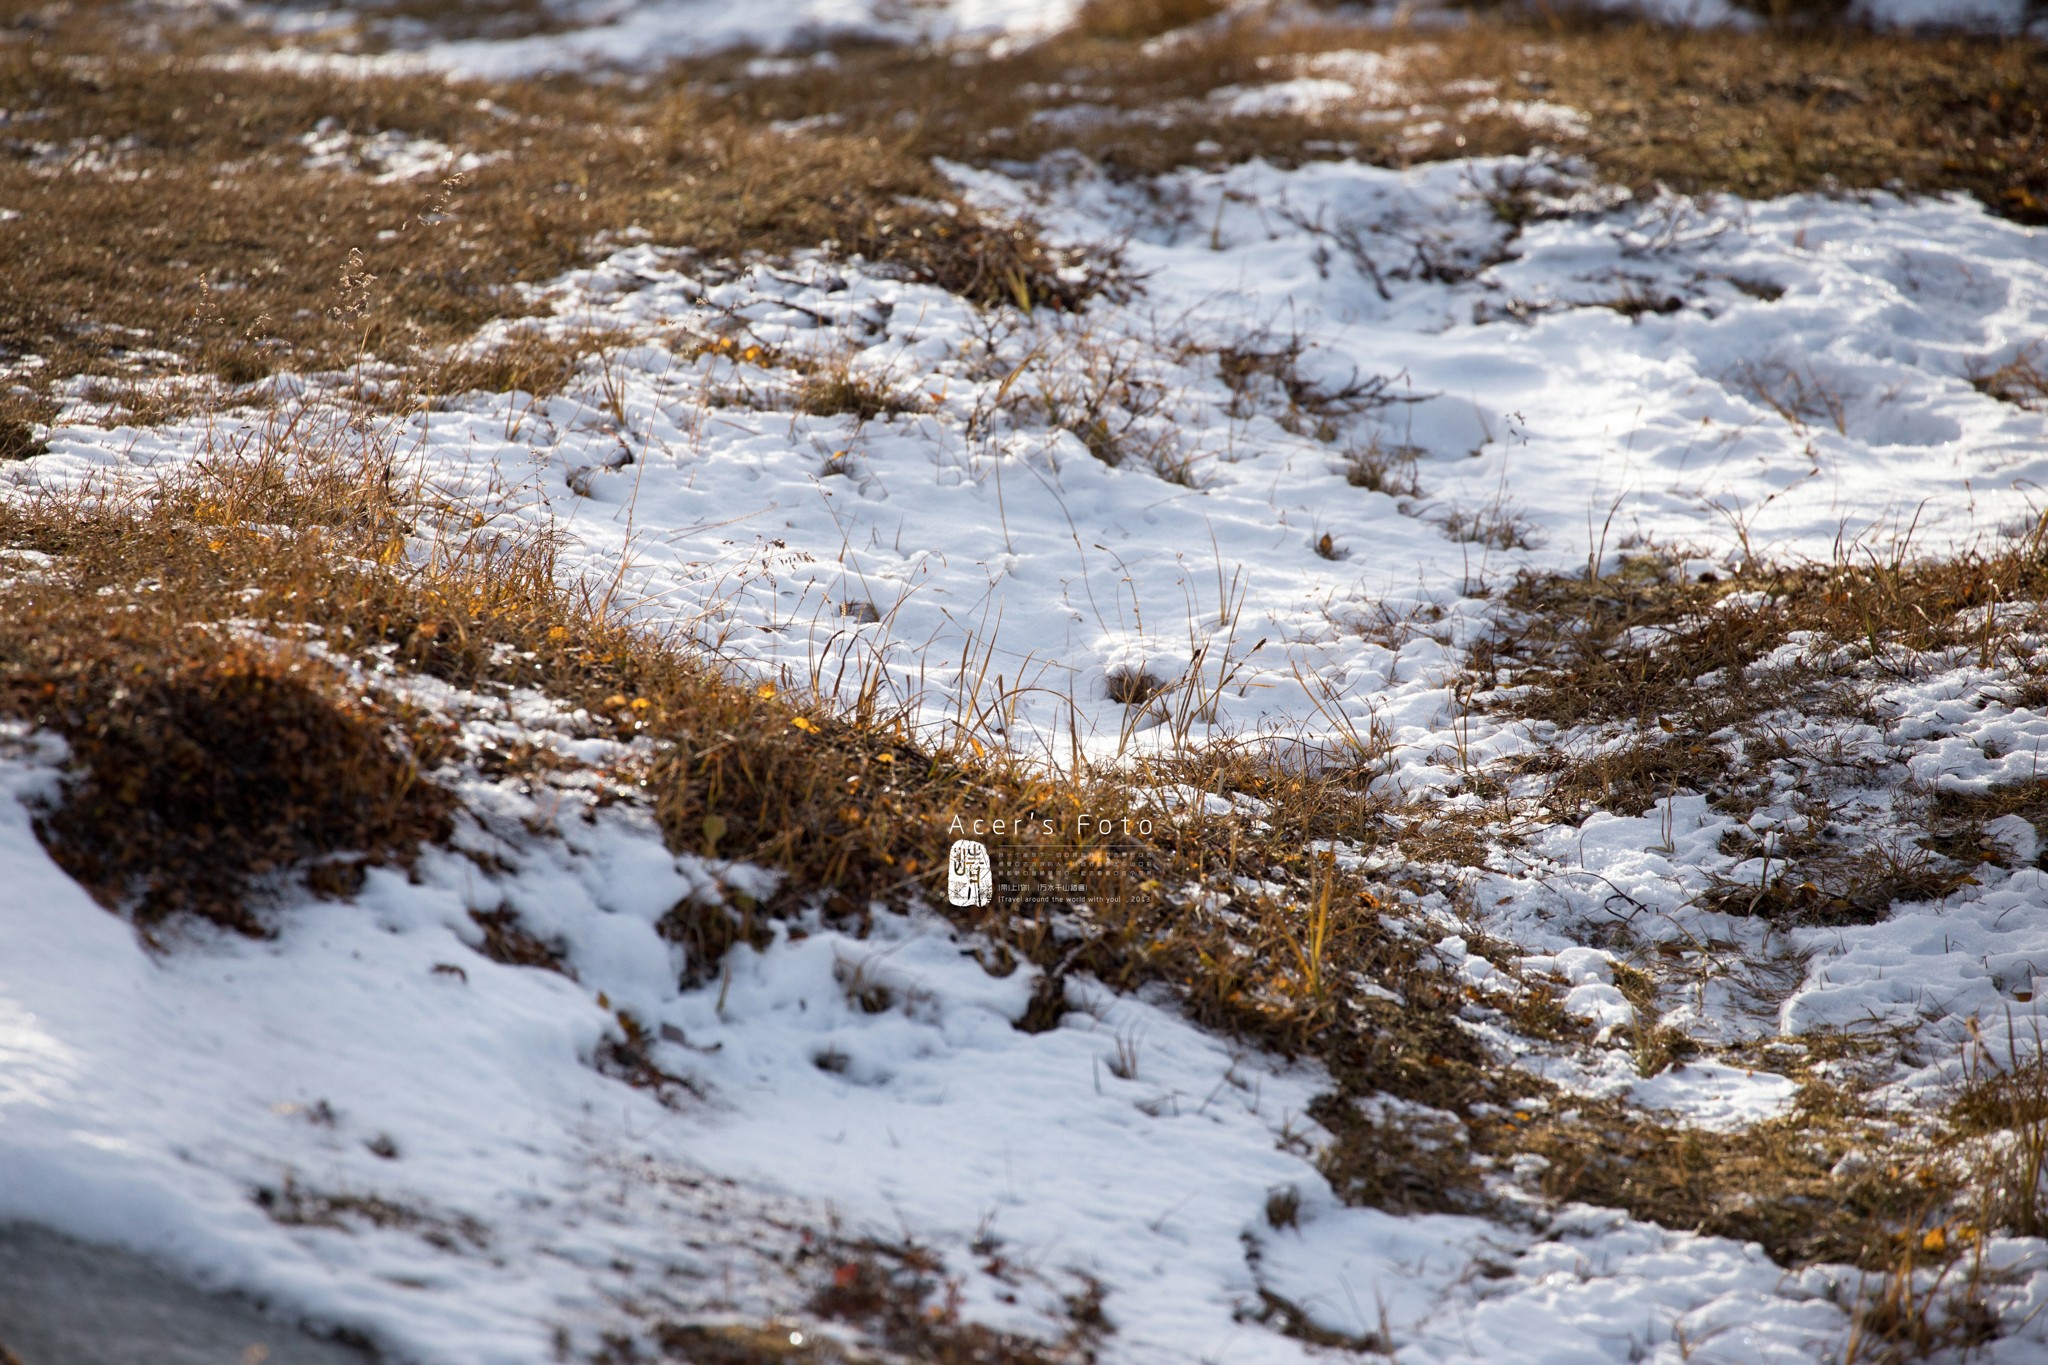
[(970, 880)]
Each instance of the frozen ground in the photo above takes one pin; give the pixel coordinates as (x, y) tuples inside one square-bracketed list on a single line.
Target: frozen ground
[(1343, 406)]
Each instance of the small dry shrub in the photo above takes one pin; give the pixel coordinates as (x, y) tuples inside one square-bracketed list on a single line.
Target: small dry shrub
[(203, 765)]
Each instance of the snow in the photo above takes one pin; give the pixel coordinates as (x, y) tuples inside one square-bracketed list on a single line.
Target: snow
[(1715, 1095), (388, 157), (645, 33), (977, 562)]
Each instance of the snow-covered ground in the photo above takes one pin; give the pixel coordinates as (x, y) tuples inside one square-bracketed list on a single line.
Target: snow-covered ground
[(644, 33), (1726, 378), (372, 1127), (1345, 405)]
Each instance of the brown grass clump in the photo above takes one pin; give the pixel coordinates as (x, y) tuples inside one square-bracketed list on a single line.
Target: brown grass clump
[(204, 768), (1776, 111), (1783, 1183), (2021, 381), (1140, 18), (205, 762)]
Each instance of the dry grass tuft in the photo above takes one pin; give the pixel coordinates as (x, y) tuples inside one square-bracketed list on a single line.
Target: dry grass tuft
[(204, 769), (2021, 381), (1379, 469), (1140, 18)]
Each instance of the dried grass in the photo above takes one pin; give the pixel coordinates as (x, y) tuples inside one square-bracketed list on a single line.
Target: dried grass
[(201, 242)]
